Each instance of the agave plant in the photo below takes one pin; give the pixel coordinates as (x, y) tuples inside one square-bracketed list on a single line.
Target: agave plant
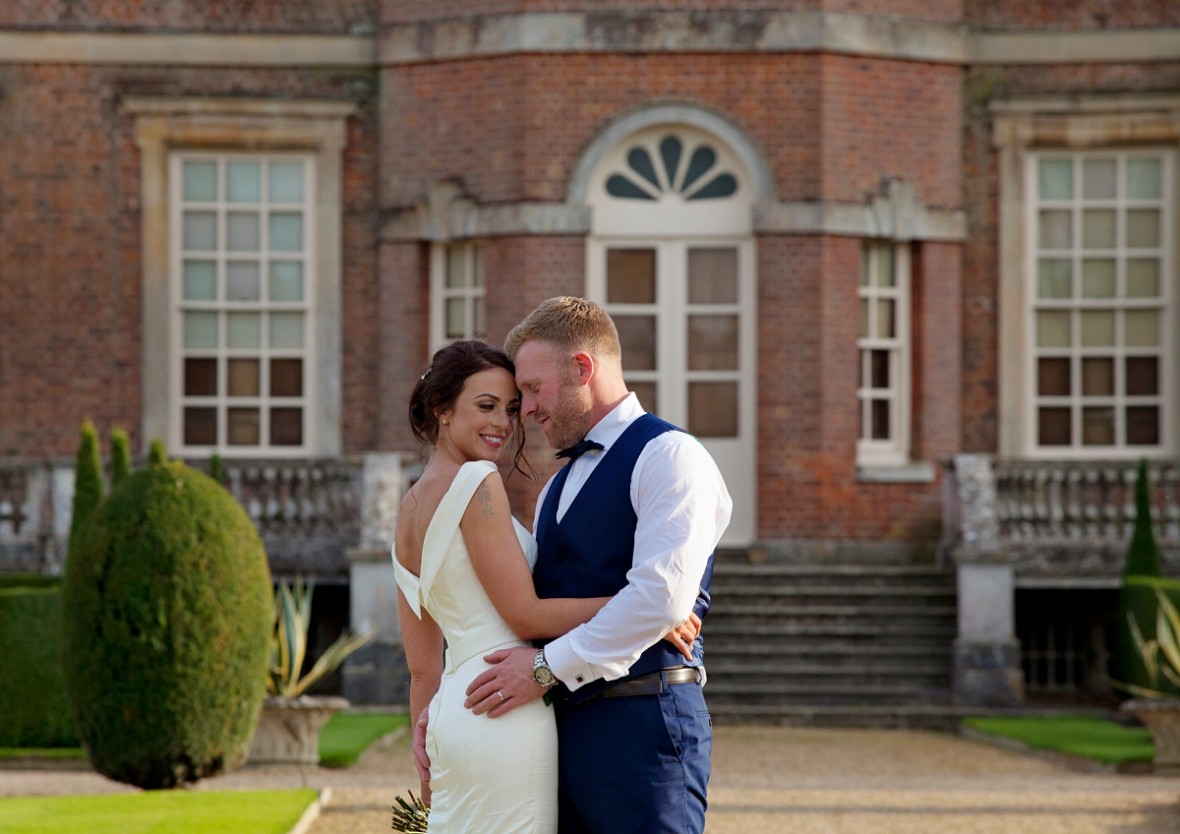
[(1161, 655), (288, 650)]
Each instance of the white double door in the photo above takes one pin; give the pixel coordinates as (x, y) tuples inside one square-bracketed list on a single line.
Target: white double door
[(685, 315)]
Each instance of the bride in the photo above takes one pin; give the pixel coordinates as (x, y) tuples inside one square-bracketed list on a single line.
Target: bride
[(463, 567)]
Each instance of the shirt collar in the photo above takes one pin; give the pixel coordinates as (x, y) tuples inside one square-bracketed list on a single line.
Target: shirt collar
[(607, 430)]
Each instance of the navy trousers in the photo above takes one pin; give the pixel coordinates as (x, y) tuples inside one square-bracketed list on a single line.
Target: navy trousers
[(635, 765)]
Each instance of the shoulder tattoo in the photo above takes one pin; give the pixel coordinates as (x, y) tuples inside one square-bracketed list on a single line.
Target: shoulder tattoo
[(484, 496)]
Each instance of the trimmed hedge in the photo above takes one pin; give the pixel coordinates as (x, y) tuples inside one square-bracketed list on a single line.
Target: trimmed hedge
[(168, 634), (34, 708)]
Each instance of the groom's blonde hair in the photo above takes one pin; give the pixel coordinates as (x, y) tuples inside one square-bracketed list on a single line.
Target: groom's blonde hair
[(571, 323)]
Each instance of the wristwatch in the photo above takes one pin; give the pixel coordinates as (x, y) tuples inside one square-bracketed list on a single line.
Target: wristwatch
[(541, 672)]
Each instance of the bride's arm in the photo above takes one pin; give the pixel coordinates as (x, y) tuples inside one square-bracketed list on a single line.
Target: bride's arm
[(501, 568), (423, 643)]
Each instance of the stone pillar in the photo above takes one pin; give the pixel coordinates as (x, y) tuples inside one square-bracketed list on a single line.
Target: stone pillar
[(376, 674), (986, 654)]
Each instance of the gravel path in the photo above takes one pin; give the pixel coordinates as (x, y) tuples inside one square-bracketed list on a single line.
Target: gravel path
[(772, 780)]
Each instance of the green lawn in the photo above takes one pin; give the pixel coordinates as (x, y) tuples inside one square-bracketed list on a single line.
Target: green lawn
[(347, 734), (42, 753), (157, 812), (1103, 741)]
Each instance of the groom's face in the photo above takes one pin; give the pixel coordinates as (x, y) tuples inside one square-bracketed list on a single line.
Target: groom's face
[(551, 393)]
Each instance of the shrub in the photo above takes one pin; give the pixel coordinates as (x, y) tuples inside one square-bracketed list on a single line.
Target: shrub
[(168, 634), (1135, 602), (120, 457), (88, 486), (34, 709)]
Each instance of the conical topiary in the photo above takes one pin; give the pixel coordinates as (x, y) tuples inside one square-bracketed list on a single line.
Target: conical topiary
[(120, 457), (157, 453), (1137, 598), (168, 633), (88, 486)]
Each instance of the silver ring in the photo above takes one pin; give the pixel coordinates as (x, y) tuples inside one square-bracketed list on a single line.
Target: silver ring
[(501, 694)]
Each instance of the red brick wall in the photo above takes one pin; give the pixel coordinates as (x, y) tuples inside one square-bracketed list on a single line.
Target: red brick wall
[(230, 16), (70, 239), (1068, 15)]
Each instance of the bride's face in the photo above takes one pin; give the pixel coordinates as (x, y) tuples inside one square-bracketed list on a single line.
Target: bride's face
[(479, 425)]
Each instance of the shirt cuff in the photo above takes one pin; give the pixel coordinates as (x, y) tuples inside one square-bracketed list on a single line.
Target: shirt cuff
[(566, 666)]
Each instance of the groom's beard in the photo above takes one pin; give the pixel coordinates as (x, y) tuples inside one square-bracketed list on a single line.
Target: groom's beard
[(569, 419)]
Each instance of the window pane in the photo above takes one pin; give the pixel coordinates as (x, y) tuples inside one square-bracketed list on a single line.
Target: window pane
[(200, 231), (880, 419), (243, 427), (480, 328), (646, 392), (885, 319), (879, 363), (1099, 179), (630, 277), (1056, 229), (1053, 328), (200, 281), (1053, 427), (637, 336), (244, 379), (713, 409), (286, 426), (1143, 426), (864, 318), (1143, 328), (200, 377), (1055, 179), (865, 254), (200, 426), (1143, 277), (1054, 278), (286, 330), (456, 315), (1143, 228), (1098, 377), (286, 231), (1098, 229), (1098, 278), (1097, 426), (1097, 328), (200, 330), (286, 182), (477, 277), (286, 377), (1142, 376), (244, 330), (885, 276), (456, 277), (242, 281), (242, 231), (712, 276), (243, 182), (1143, 179), (200, 181), (286, 281), (1053, 377), (712, 343)]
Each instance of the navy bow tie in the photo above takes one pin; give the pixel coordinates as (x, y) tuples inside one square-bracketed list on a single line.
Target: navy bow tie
[(578, 449)]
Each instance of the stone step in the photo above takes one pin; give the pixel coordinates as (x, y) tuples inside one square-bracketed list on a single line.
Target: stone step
[(834, 574), (745, 589), (811, 610), (831, 653), (857, 630), (884, 667), (754, 692)]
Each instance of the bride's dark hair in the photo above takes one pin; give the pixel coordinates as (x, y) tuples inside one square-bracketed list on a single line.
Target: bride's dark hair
[(440, 386)]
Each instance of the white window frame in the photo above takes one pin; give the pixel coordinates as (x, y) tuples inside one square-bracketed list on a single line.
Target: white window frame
[(1024, 126), (317, 128), (471, 292), (1164, 399), (894, 451), (223, 307)]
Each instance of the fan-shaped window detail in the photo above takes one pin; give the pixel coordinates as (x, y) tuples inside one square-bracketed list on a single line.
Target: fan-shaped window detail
[(648, 178)]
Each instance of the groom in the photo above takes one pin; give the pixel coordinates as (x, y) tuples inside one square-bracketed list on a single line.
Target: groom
[(636, 514)]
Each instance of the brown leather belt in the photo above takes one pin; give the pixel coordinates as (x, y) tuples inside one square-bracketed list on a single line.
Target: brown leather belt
[(652, 683)]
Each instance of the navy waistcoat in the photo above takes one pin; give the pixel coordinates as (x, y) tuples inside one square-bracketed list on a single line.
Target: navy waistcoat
[(589, 553)]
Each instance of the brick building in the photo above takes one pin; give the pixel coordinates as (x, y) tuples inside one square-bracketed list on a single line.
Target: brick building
[(907, 267)]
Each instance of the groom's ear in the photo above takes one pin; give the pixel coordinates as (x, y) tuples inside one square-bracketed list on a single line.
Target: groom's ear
[(585, 365)]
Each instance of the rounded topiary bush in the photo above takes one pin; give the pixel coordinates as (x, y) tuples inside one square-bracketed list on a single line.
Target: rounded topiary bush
[(167, 602)]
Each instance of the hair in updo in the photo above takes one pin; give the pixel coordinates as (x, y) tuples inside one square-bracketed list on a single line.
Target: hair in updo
[(441, 385)]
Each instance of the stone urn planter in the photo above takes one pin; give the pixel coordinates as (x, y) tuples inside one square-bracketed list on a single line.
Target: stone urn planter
[(1161, 716), (289, 729)]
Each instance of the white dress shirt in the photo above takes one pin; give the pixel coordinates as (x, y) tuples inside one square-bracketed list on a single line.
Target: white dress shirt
[(682, 507)]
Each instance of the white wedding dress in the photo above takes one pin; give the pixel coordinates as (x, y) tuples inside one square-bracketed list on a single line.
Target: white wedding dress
[(487, 775)]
